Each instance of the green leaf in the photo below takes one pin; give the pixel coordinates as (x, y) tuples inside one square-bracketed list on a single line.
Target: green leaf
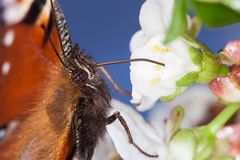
[(178, 91), (178, 23), (187, 79), (233, 4), (215, 13)]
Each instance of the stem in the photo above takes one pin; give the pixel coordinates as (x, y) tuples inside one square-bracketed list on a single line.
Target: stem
[(223, 117)]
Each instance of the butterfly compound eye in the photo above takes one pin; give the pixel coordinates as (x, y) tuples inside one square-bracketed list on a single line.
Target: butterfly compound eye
[(79, 76)]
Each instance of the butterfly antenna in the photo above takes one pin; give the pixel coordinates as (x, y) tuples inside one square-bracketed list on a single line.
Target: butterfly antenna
[(109, 77), (62, 29), (129, 60)]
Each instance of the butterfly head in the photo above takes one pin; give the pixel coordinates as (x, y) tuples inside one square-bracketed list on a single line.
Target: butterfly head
[(83, 71)]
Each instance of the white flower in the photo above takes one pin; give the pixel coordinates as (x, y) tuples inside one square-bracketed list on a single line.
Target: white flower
[(147, 138), (104, 149), (150, 81)]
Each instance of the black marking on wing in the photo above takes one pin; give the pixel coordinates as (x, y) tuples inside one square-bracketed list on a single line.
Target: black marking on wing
[(34, 12), (1, 17), (3, 130), (48, 29)]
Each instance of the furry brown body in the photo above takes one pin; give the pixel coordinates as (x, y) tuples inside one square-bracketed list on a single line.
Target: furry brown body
[(90, 113)]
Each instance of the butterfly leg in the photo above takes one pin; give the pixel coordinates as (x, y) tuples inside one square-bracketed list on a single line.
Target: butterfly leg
[(115, 86), (117, 115)]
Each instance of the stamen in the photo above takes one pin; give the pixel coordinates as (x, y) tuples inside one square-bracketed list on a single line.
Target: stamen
[(154, 80), (157, 67), (157, 48)]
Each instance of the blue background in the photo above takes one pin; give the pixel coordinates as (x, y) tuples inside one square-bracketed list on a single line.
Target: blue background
[(104, 27)]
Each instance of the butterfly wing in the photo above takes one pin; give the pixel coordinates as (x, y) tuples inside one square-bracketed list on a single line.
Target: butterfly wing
[(32, 83), (27, 57), (45, 132)]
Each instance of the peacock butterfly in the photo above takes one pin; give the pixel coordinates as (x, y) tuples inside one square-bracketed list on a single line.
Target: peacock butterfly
[(53, 88)]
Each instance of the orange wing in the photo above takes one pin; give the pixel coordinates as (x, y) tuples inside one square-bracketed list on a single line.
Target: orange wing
[(32, 82), (45, 133), (25, 61)]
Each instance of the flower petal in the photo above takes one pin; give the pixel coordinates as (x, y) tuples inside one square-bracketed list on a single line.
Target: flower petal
[(223, 88), (138, 40), (143, 135), (141, 102), (232, 53), (231, 134), (104, 148), (155, 16)]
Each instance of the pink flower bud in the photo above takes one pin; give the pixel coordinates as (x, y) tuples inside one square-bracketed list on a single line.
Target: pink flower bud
[(232, 53), (231, 134), (227, 88)]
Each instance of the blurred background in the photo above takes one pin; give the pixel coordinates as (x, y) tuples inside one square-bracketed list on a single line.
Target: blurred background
[(104, 28)]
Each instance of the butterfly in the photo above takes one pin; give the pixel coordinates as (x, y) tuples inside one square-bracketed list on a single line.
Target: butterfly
[(55, 89)]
